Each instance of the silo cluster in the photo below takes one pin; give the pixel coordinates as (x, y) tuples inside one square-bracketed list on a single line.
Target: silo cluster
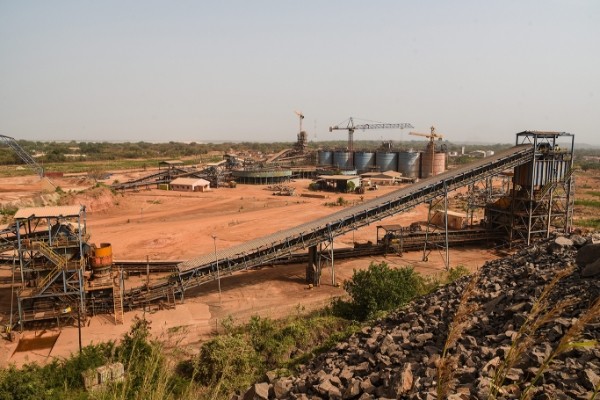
[(411, 164)]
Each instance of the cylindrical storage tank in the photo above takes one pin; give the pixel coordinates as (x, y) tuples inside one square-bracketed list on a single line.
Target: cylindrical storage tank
[(325, 157), (342, 159), (101, 257), (489, 153), (363, 160), (408, 163), (439, 164), (101, 260), (387, 161)]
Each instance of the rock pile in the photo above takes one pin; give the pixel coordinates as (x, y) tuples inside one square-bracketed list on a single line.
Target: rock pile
[(399, 356)]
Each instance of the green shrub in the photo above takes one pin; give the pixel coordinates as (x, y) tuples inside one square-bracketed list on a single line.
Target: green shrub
[(350, 186), (55, 379), (379, 288), (227, 363)]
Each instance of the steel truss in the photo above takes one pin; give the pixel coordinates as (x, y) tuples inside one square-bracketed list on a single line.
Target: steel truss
[(544, 203)]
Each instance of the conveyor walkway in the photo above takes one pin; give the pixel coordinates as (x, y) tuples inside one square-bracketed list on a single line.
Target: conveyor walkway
[(258, 251)]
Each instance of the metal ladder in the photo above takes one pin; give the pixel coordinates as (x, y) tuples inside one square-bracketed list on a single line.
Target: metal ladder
[(171, 297), (117, 299)]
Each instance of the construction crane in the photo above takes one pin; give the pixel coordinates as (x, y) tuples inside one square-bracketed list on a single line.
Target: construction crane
[(299, 113), (23, 155), (350, 127), (431, 145), (302, 142)]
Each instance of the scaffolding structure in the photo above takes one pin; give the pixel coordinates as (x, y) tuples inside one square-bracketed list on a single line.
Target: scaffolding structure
[(51, 249), (542, 196)]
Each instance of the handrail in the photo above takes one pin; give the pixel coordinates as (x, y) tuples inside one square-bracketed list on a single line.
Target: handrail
[(59, 262)]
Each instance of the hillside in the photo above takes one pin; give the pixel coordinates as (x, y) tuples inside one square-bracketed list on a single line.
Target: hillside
[(524, 327)]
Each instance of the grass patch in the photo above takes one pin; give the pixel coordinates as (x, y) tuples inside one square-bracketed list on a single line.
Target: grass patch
[(232, 362), (588, 223), (154, 201), (593, 193), (587, 203)]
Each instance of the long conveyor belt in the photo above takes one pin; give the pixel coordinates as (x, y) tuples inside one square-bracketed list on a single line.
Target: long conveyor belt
[(200, 270)]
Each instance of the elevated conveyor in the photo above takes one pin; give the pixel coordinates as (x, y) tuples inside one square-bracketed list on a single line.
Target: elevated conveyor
[(283, 243)]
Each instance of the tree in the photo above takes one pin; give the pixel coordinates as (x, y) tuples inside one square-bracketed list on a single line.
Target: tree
[(350, 186)]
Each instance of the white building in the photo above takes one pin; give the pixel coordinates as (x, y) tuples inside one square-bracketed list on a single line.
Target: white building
[(190, 185)]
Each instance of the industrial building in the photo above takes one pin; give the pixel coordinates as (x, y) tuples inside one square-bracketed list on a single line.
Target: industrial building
[(383, 178), (190, 185), (338, 183)]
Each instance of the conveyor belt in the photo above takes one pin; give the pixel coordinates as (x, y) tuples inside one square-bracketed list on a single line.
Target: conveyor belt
[(258, 251)]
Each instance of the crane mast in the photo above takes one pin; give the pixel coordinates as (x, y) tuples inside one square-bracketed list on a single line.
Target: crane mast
[(431, 145), (350, 127)]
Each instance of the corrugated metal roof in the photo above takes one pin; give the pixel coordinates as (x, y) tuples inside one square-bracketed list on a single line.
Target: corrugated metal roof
[(45, 212), (171, 162), (189, 181), (310, 226)]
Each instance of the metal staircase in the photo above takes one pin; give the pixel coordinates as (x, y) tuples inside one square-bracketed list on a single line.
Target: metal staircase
[(117, 299), (59, 262)]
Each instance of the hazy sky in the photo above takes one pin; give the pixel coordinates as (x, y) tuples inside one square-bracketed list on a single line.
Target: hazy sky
[(236, 70)]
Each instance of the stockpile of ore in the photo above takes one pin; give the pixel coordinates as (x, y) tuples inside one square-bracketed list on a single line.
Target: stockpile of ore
[(400, 357)]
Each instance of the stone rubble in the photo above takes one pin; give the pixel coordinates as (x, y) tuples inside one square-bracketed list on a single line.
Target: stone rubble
[(398, 357)]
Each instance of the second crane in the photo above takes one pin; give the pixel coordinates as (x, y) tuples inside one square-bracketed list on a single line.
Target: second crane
[(350, 127)]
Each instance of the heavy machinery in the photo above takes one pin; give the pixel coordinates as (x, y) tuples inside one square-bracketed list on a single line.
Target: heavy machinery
[(431, 145), (350, 127)]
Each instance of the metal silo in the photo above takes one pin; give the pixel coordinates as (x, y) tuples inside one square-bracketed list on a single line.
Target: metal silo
[(363, 160), (325, 157), (408, 163), (342, 159), (439, 164), (387, 161)]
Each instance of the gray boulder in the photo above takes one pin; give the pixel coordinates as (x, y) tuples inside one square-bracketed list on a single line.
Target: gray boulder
[(588, 254)]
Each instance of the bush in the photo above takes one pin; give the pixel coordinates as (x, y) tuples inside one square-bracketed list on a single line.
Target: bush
[(350, 186), (379, 288), (382, 289), (227, 359), (312, 186)]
